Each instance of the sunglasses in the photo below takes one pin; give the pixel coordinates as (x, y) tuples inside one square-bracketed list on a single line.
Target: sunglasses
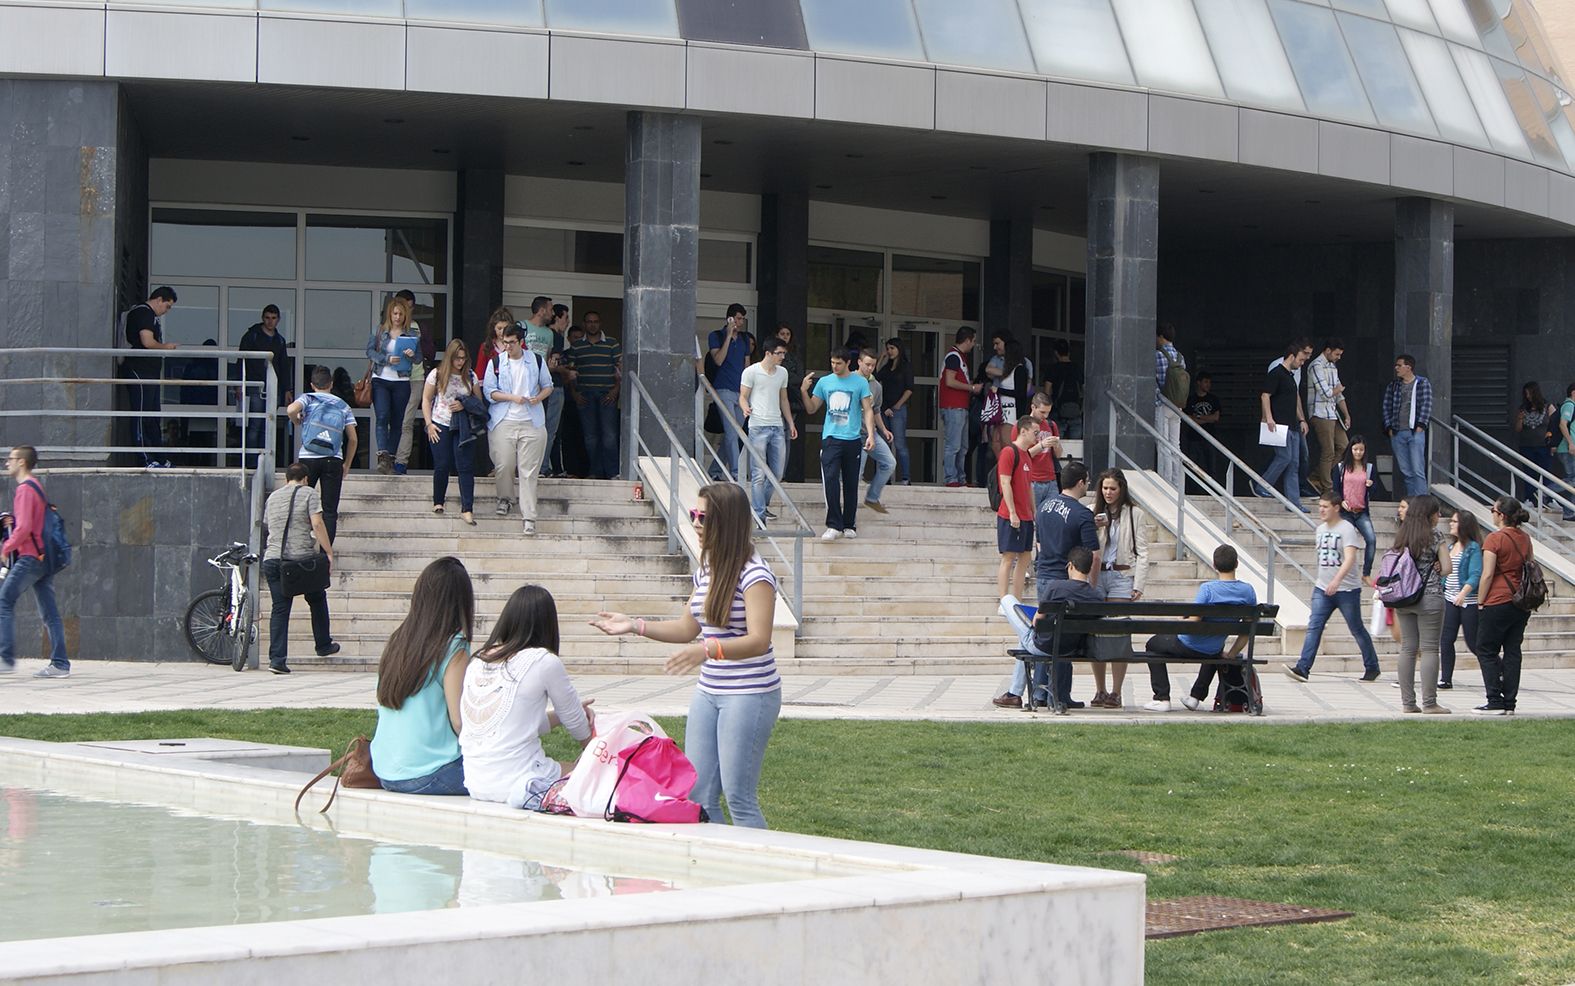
[(697, 516)]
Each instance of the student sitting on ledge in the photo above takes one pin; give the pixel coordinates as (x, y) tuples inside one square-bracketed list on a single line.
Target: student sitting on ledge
[(1076, 587), (1223, 589)]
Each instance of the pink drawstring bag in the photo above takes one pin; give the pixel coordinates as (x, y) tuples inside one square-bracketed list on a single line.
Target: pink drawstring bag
[(654, 781)]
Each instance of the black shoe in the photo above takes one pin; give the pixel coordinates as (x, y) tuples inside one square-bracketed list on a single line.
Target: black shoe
[(1373, 676), (330, 650), (278, 669), (1445, 685), (1075, 705)]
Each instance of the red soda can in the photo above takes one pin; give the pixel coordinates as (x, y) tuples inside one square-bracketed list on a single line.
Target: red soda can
[(639, 490)]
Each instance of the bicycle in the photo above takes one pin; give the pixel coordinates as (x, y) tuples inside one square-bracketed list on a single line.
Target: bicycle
[(220, 627)]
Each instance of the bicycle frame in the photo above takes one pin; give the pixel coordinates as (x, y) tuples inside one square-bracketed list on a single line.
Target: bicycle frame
[(234, 562)]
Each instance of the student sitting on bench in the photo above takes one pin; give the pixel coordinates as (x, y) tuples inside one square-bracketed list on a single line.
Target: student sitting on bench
[(1223, 589), (1075, 588)]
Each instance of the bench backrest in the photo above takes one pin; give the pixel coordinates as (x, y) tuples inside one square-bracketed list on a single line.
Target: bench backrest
[(1056, 620)]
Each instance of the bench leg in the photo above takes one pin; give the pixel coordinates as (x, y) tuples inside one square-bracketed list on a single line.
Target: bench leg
[(1254, 691), (1055, 696)]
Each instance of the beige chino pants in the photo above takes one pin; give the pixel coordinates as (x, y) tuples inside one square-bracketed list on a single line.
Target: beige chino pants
[(517, 449)]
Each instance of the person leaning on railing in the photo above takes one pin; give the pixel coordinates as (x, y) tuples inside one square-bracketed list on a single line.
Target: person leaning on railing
[(144, 329)]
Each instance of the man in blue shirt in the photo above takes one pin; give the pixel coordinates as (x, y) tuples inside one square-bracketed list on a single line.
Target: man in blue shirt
[(728, 355), (849, 410), (1061, 524), (328, 441), (1223, 589)]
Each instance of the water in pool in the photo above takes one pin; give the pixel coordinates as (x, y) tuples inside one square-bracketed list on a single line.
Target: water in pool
[(70, 866)]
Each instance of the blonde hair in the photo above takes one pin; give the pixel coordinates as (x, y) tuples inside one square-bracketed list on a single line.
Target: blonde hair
[(445, 370), (388, 308)]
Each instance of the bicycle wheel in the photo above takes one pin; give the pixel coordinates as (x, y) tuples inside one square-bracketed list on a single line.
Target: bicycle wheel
[(239, 640), (207, 626)]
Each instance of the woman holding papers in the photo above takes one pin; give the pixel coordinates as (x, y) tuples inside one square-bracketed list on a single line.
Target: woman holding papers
[(393, 350)]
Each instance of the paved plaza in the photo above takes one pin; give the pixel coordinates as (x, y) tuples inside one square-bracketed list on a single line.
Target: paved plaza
[(115, 686)]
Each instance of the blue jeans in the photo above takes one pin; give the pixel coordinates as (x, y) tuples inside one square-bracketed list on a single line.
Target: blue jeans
[(770, 444), (954, 422), (599, 422), (727, 445), (1043, 492), (1042, 672), (885, 468), (389, 398), (450, 456), (725, 739), (1567, 463), (1068, 417), (28, 573), (1410, 449), (1285, 469), (898, 423), (1364, 522), (447, 779), (1349, 603)]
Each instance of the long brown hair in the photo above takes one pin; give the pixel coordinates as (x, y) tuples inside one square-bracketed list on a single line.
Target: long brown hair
[(445, 371), (1467, 529), (1417, 531), (442, 604), (725, 547), (1123, 504)]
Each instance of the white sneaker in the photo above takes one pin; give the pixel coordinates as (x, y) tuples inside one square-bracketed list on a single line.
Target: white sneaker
[(504, 506), (1191, 704), (530, 528), (1158, 705), (831, 534), (50, 671), (850, 533)]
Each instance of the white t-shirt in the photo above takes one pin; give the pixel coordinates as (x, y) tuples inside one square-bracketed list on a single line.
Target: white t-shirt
[(503, 716), (765, 393), (1332, 540), (458, 386)]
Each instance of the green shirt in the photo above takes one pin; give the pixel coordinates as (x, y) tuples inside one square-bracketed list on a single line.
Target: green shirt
[(597, 363)]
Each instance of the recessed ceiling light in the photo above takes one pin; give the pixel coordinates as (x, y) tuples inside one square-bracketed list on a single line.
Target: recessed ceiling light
[(823, 187), (722, 143), (1312, 201), (978, 167), (1047, 208), (393, 119), (853, 155), (1250, 226), (1342, 236), (575, 164), (299, 138), (1205, 191), (705, 174), (441, 150), (937, 198), (584, 126)]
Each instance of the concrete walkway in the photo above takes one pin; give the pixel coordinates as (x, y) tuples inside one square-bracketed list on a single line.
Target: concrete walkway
[(102, 686)]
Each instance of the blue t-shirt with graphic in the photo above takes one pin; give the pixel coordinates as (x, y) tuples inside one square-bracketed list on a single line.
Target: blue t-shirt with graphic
[(1218, 591), (844, 397), (324, 418)]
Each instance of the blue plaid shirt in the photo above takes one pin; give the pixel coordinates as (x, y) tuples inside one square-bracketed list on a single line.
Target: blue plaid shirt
[(1422, 406), (1162, 361)]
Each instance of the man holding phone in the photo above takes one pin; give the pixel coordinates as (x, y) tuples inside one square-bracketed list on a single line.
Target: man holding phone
[(729, 353), (1043, 452)]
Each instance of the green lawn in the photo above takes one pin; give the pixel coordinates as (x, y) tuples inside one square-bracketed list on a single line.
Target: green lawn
[(1449, 840)]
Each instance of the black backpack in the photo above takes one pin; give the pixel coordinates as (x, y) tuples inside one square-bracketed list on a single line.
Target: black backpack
[(992, 484), (1235, 693)]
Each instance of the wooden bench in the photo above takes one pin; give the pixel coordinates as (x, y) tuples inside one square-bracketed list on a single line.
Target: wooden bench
[(1122, 619)]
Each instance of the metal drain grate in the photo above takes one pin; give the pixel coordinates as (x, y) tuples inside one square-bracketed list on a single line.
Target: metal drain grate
[(1190, 915)]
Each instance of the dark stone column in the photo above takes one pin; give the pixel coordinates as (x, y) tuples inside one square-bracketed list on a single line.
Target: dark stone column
[(661, 247), (1123, 266), (1009, 279), (783, 275), (1425, 295), (66, 225), (478, 253)]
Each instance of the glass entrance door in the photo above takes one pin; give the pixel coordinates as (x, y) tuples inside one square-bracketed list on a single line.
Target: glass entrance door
[(825, 330)]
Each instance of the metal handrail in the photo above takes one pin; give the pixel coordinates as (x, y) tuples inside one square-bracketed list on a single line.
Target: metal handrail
[(678, 457), (1234, 462), (756, 460), (1517, 465), (1274, 544), (262, 472)]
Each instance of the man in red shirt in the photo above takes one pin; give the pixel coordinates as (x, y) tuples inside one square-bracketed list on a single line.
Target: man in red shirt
[(1014, 518), (955, 394), (1044, 452), (25, 537)]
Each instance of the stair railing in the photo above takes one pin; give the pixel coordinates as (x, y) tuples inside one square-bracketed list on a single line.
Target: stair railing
[(1464, 436), (680, 462)]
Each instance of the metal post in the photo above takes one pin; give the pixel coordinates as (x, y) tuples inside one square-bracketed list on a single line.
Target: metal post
[(798, 581), (672, 499), (1269, 553), (1230, 498), (632, 447), (270, 421)]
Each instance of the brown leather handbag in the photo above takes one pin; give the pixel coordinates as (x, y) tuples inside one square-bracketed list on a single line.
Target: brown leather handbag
[(363, 389), (355, 770)]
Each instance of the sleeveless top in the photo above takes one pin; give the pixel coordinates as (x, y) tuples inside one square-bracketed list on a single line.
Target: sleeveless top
[(416, 739)]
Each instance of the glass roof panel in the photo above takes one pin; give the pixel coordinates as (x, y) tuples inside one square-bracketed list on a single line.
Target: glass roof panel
[(1323, 67), (657, 18), (1446, 94), (1531, 42), (1077, 39), (986, 33), (1455, 22), (869, 27), (1523, 100), (514, 13), (1372, 8), (1167, 46), (362, 8), (1386, 74), (1493, 108), (1413, 13), (1248, 52), (1564, 135)]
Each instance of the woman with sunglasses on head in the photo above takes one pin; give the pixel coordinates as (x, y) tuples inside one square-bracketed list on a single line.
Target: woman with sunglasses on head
[(448, 428), (739, 695), (1501, 624)]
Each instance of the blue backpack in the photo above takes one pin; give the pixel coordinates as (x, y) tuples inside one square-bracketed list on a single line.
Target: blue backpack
[(323, 425), (56, 548), (1399, 583)]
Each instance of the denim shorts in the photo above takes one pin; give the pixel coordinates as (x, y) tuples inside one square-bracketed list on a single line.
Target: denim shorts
[(1009, 539)]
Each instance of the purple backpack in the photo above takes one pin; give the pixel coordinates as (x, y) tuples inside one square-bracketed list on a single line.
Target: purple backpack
[(1398, 582)]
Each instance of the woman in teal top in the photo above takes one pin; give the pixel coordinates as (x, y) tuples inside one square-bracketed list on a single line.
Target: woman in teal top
[(1460, 592), (419, 679)]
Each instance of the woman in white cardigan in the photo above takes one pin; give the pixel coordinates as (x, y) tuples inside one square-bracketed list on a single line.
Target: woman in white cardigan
[(1123, 570)]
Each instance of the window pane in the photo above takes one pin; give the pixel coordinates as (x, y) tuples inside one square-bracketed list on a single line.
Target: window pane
[(1248, 52), (520, 13), (1323, 67), (1077, 39), (1563, 135), (930, 287), (1455, 22), (371, 8), (654, 17), (1413, 13), (1167, 46), (337, 319), (245, 307), (869, 27), (1446, 94), (987, 33), (1048, 306), (845, 280), (195, 318), (1488, 96), (367, 248), (430, 314), (577, 251), (1524, 103), (1372, 8), (1531, 43), (228, 4), (1386, 74), (768, 23), (193, 243), (726, 260)]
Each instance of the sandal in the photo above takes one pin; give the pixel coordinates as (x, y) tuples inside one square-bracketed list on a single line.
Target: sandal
[(1099, 700), (468, 518), (437, 508)]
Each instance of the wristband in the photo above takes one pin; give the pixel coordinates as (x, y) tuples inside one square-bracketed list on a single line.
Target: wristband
[(639, 628), (719, 655)]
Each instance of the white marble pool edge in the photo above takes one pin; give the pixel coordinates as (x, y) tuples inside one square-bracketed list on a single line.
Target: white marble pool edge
[(799, 909)]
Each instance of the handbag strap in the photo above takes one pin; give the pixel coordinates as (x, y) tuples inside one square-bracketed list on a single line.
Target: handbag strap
[(320, 775), (284, 539), (628, 761)]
